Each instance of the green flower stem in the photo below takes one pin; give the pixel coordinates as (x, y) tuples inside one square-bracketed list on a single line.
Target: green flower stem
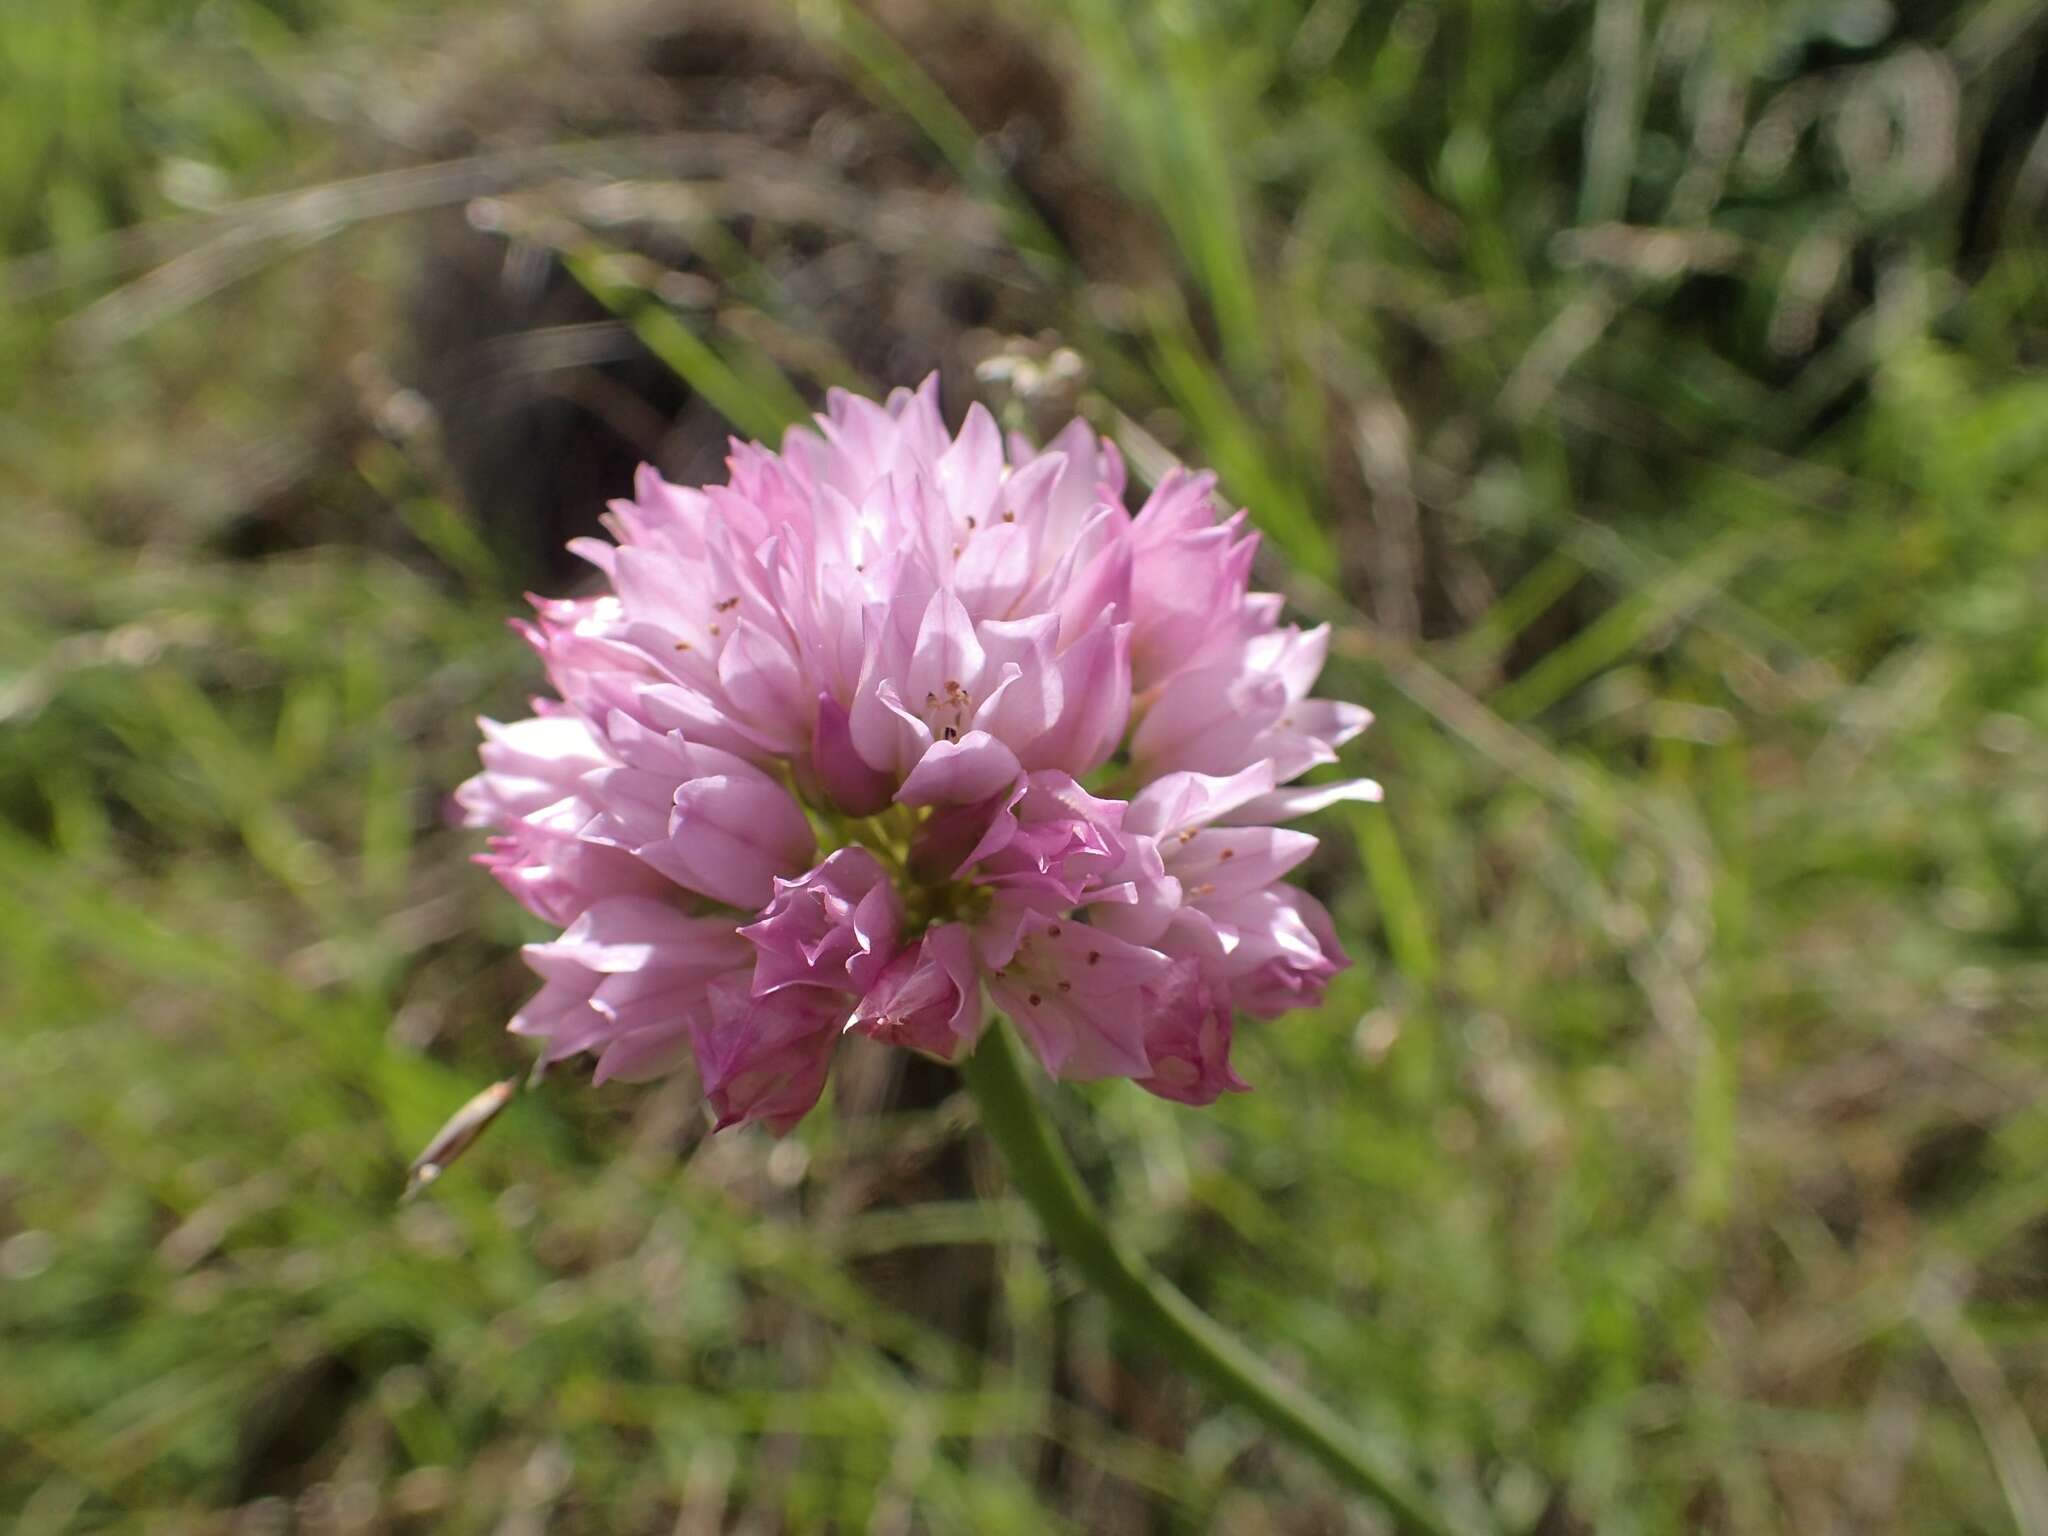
[(1040, 1170)]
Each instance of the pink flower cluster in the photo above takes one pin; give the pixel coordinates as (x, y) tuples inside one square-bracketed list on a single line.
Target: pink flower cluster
[(818, 756)]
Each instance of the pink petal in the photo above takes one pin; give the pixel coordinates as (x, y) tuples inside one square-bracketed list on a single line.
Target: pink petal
[(1282, 950), (885, 611), (1188, 1039), (1095, 704), (1177, 801), (765, 1058), (854, 786), (960, 772), (528, 766), (836, 926), (734, 834), (929, 997), (970, 473), (624, 950), (1218, 863), (1076, 994), (948, 658), (1030, 706), (1207, 721), (763, 683)]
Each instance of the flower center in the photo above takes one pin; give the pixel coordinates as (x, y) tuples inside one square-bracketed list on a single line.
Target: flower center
[(949, 713), (892, 837)]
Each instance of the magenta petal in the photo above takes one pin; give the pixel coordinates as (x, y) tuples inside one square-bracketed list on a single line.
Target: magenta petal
[(765, 1059), (952, 836), (1281, 950), (836, 926), (1188, 1039), (928, 998), (1053, 844)]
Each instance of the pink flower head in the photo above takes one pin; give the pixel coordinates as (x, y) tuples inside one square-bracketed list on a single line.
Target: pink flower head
[(898, 724)]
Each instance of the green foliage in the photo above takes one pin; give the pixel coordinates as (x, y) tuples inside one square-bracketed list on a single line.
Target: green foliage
[(1649, 395)]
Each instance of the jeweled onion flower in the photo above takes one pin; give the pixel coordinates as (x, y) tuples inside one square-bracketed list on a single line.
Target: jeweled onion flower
[(897, 731), (898, 726)]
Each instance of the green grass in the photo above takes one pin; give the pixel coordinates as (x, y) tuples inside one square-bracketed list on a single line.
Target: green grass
[(1671, 1160)]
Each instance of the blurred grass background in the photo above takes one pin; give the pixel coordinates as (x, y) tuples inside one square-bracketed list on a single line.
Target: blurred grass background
[(1651, 393)]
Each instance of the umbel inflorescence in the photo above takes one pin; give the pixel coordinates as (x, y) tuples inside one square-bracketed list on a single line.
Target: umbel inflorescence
[(897, 727)]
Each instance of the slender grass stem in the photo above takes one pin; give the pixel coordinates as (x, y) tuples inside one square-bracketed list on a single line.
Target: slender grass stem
[(1044, 1176)]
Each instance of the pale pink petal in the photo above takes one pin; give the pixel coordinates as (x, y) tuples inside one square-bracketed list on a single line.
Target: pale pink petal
[(1215, 864), (1308, 733), (946, 663), (1177, 801), (1095, 704), (1032, 702), (731, 835), (529, 765), (1076, 994), (764, 685), (970, 473), (1301, 800)]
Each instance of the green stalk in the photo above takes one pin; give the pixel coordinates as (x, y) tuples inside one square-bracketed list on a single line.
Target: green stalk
[(1039, 1168)]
